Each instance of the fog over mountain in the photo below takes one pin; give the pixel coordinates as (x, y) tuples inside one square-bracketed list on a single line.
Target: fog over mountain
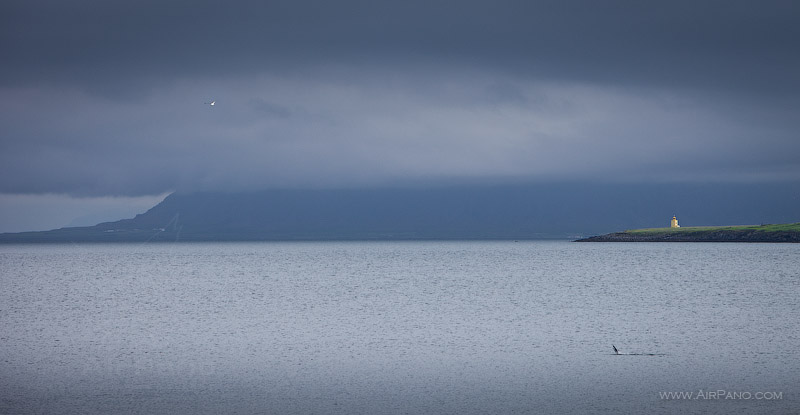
[(107, 98), (551, 211)]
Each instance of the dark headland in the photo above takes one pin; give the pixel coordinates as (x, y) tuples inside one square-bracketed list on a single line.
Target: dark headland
[(789, 232), (453, 212)]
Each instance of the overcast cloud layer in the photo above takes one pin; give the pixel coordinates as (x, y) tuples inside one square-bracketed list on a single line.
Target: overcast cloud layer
[(106, 98)]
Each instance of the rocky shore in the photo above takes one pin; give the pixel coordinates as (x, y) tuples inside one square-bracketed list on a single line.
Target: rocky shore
[(721, 234)]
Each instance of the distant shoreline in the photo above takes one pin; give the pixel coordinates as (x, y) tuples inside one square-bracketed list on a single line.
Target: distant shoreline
[(781, 233)]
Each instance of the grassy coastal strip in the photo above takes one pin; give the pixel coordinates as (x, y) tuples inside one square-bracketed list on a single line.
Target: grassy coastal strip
[(784, 227), (788, 232)]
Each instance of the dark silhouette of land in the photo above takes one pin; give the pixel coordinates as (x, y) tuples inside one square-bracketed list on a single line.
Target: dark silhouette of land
[(524, 211)]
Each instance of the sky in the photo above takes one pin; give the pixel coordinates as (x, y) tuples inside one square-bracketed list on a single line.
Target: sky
[(104, 112)]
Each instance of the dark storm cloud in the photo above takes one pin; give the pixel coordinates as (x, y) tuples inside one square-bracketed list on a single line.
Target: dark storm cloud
[(750, 45), (106, 98)]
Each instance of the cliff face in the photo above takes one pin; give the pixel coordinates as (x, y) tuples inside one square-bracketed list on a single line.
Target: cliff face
[(720, 235)]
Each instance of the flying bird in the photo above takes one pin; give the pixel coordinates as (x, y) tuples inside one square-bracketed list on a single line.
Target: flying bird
[(210, 103)]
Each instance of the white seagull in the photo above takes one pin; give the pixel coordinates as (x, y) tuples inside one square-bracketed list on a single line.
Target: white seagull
[(211, 103)]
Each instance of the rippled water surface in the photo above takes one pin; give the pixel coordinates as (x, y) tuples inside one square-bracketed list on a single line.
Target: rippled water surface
[(399, 327)]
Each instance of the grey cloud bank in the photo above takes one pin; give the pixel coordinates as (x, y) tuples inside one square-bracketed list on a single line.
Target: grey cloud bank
[(106, 98), (309, 132), (731, 43)]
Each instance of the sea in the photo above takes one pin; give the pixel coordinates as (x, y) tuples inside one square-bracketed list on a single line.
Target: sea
[(400, 327)]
